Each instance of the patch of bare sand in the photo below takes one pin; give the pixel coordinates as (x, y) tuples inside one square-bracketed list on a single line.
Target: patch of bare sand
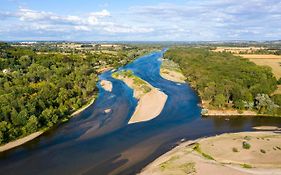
[(206, 111), (229, 113), (150, 102), (172, 75), (267, 128), (149, 106), (107, 85), (19, 142), (216, 155)]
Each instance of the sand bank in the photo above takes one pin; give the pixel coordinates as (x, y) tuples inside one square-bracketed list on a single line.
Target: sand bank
[(107, 85), (171, 71), (151, 100), (223, 154), (19, 142), (172, 75), (149, 106), (229, 113)]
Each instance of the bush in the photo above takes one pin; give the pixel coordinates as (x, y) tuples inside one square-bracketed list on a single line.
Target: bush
[(279, 81), (246, 166), (263, 151), (246, 145)]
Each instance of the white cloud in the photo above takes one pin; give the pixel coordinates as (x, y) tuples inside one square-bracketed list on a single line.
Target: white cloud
[(50, 22), (213, 20), (191, 20)]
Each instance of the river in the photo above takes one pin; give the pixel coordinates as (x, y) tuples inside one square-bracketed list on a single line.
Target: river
[(95, 142)]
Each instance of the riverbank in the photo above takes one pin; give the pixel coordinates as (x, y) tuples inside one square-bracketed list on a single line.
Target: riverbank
[(237, 153), (106, 85), (20, 141), (151, 101), (171, 71), (32, 136), (226, 82)]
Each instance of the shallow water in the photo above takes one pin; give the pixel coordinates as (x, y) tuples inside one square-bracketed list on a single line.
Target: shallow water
[(95, 142)]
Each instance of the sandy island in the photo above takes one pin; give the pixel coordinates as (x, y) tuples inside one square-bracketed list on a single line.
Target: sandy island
[(151, 100), (223, 154), (107, 85)]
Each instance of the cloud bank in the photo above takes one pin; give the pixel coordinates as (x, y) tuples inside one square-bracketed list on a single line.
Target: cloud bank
[(187, 21)]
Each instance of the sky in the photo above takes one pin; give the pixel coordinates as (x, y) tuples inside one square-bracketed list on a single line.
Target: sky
[(145, 20)]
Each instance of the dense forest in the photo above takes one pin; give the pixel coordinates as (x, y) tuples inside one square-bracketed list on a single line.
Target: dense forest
[(37, 90), (227, 81)]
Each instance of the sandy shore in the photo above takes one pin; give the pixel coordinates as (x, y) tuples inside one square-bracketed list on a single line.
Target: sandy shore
[(151, 101), (229, 113), (83, 108), (107, 85), (169, 70), (19, 142), (223, 154), (172, 75), (32, 136)]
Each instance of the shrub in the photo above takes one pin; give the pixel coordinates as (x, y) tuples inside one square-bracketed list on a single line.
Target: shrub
[(279, 81), (246, 166), (247, 138), (263, 151), (246, 145)]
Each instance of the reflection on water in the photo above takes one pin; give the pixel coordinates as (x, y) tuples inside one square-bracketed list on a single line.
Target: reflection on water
[(95, 142)]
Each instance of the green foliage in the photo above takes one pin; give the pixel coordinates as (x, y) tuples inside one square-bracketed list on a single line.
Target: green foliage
[(279, 81), (225, 79), (265, 105), (198, 149), (219, 100), (137, 81), (246, 145), (246, 166), (37, 90)]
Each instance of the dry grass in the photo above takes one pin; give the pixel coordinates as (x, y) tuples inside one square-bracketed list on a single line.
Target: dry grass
[(261, 56), (237, 49)]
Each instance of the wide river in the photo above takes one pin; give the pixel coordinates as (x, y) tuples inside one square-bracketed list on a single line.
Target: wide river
[(96, 143)]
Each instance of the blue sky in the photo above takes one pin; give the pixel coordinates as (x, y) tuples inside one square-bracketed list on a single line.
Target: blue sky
[(146, 20)]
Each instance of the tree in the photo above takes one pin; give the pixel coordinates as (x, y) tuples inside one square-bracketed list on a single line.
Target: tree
[(265, 104), (32, 124), (219, 100)]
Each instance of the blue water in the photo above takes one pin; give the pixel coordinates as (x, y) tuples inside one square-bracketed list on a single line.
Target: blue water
[(95, 142)]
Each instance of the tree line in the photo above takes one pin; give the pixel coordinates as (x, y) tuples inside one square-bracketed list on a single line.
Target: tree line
[(40, 90), (227, 81)]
